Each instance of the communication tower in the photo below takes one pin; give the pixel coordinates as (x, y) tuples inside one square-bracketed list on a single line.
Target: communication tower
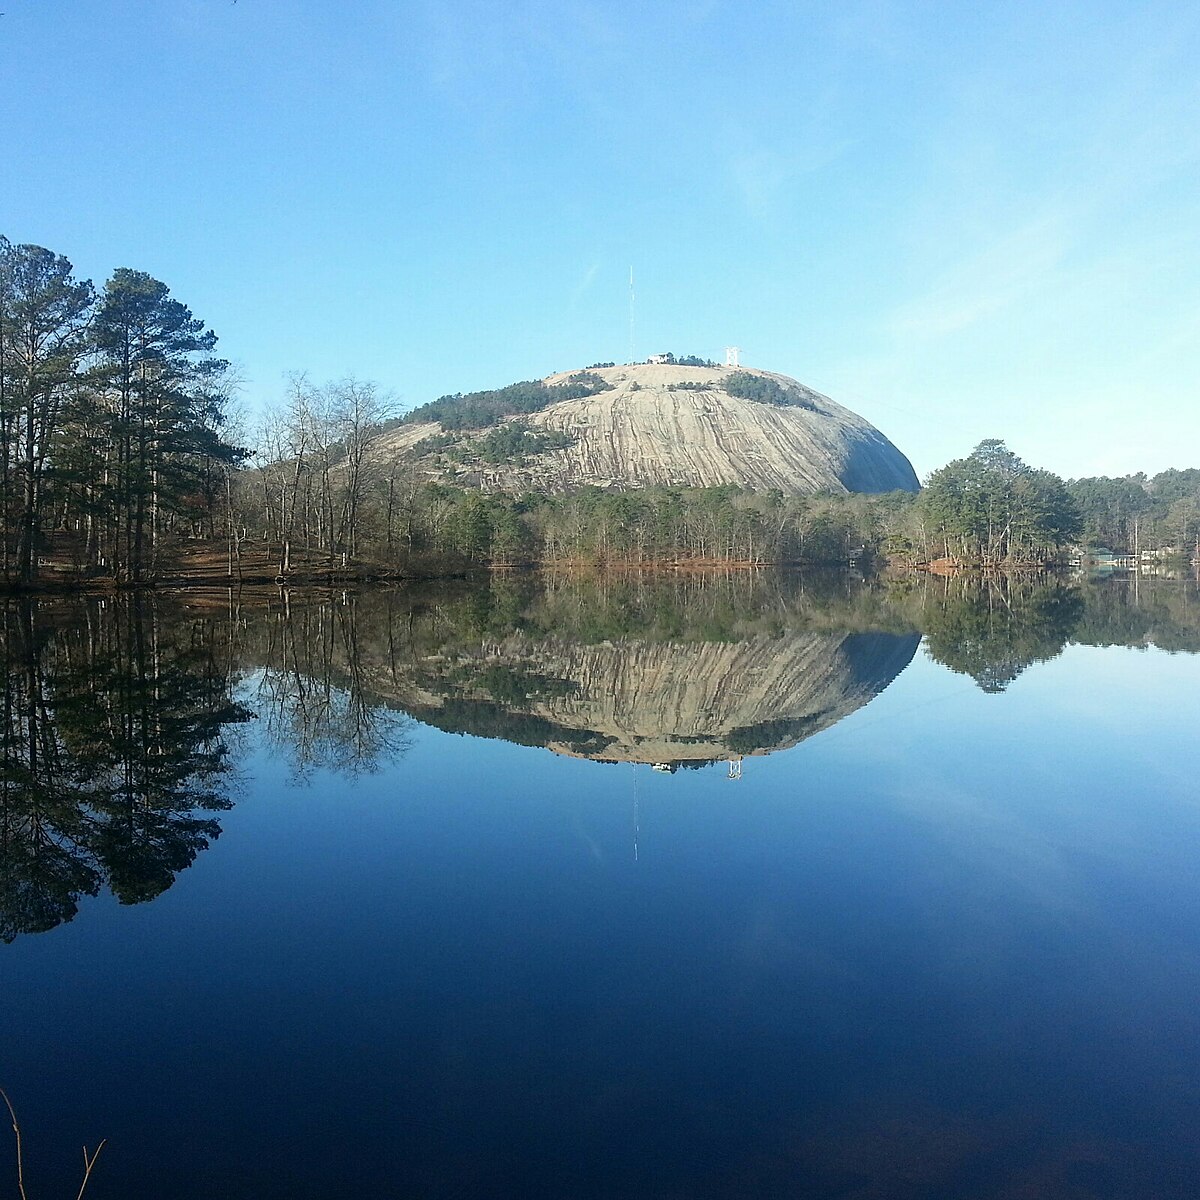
[(632, 344), (731, 356)]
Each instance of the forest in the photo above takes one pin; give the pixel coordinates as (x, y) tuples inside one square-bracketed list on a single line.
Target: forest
[(122, 454), (112, 407)]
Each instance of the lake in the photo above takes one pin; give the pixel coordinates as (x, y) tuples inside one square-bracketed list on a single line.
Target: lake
[(723, 887)]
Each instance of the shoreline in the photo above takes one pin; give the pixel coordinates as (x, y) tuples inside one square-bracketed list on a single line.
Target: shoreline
[(200, 576), (62, 584)]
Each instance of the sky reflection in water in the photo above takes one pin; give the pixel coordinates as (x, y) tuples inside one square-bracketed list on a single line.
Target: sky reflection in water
[(938, 940)]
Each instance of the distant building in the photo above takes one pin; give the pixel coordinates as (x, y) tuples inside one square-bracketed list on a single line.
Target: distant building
[(1109, 558), (1100, 558), (659, 358)]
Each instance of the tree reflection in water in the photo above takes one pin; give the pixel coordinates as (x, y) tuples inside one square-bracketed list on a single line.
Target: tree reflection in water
[(683, 671), (117, 746), (112, 753), (311, 693), (994, 628)]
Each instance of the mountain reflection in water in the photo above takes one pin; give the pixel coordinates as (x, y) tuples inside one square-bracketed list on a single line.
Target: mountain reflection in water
[(945, 950), (680, 673), (121, 713)]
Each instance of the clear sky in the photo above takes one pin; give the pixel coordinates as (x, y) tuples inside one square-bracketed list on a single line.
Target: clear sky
[(962, 220)]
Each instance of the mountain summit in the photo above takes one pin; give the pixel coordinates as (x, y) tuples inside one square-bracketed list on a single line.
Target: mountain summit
[(653, 424)]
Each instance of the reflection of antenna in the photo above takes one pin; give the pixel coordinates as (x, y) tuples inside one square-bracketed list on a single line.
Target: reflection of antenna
[(631, 342), (735, 767), (635, 813)]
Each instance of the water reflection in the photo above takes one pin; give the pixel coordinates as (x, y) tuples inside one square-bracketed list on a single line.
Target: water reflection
[(111, 753), (948, 952), (117, 747), (995, 628), (667, 703), (671, 673), (320, 713)]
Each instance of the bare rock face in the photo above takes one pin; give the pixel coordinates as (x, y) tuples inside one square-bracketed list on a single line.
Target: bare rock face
[(662, 424), (655, 702)]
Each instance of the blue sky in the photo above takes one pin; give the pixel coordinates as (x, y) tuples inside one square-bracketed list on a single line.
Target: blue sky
[(961, 220)]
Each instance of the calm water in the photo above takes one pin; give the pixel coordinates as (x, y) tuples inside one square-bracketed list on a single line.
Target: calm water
[(457, 893)]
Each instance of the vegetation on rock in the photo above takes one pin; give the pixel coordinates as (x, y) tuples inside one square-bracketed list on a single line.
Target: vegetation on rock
[(515, 441), (478, 410), (672, 426), (512, 442), (764, 390), (687, 360)]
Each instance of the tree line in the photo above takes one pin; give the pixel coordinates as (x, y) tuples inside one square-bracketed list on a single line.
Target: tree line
[(988, 509), (1136, 512), (116, 453), (992, 508), (112, 411), (307, 507)]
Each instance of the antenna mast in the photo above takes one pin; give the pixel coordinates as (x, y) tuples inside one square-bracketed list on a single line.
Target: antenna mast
[(631, 341)]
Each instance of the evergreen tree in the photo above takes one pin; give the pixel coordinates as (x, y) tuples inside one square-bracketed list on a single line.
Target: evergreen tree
[(163, 402), (44, 314), (993, 507)]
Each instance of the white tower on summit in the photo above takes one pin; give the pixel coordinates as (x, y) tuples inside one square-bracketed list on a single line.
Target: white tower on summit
[(731, 356)]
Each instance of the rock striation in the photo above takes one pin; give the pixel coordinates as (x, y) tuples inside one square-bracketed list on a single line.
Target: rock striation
[(653, 702), (662, 424)]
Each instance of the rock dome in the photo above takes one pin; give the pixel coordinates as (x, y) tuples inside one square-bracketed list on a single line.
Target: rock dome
[(665, 424)]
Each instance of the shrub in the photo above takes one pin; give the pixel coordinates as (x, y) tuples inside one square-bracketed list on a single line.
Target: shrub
[(766, 391)]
